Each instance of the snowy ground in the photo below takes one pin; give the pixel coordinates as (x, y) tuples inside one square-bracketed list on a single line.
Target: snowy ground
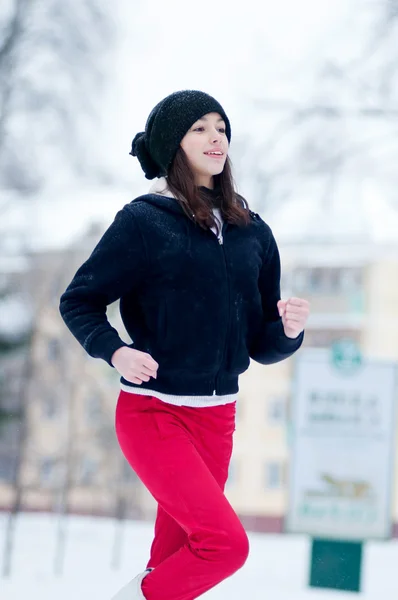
[(276, 570)]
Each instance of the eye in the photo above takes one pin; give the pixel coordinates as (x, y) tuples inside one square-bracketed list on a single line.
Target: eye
[(201, 128)]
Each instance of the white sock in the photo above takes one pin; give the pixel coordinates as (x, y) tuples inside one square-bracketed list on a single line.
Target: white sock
[(133, 590)]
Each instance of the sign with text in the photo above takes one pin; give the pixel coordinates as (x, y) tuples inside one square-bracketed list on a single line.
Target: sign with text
[(342, 454)]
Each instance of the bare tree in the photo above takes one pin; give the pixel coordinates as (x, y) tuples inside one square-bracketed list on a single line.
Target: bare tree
[(52, 66), (17, 466), (347, 127)]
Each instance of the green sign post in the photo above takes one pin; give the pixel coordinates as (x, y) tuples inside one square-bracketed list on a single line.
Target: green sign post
[(343, 410), (336, 565)]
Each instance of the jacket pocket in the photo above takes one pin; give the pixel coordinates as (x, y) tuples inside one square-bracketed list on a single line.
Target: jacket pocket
[(186, 336)]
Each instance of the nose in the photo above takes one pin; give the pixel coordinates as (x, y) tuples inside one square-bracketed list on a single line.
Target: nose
[(216, 136)]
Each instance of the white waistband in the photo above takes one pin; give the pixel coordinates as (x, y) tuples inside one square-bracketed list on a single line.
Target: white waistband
[(193, 401)]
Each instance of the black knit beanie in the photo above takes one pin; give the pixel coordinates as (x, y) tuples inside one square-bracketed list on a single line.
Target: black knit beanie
[(166, 126)]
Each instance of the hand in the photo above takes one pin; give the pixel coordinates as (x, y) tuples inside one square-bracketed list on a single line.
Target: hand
[(294, 313), (135, 366)]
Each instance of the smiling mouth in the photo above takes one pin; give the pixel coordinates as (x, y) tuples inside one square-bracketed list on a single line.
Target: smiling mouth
[(214, 154)]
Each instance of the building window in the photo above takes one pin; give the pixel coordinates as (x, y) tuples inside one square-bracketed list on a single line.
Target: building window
[(274, 475), (327, 280), (93, 408), (87, 470), (238, 410), (232, 474), (277, 410), (53, 349), (57, 286), (324, 338), (50, 407), (48, 471), (128, 474), (7, 466)]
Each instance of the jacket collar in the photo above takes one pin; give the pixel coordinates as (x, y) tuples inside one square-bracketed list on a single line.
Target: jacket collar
[(160, 187)]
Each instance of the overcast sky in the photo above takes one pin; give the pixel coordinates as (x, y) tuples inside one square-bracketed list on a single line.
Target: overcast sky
[(234, 51)]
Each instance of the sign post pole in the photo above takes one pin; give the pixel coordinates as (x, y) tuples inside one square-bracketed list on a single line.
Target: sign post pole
[(336, 565)]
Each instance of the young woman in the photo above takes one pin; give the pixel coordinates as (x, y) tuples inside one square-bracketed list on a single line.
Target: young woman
[(198, 278)]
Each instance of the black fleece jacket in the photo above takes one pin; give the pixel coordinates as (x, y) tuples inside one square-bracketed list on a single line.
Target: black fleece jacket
[(202, 309)]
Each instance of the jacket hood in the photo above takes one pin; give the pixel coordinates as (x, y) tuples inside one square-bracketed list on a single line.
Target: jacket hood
[(160, 187), (160, 195)]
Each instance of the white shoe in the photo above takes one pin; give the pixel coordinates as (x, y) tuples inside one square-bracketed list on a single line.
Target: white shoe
[(132, 591)]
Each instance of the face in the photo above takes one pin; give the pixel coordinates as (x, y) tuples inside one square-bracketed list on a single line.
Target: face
[(206, 147)]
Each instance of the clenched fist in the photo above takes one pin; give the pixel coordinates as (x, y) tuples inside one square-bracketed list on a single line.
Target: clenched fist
[(134, 365), (294, 313)]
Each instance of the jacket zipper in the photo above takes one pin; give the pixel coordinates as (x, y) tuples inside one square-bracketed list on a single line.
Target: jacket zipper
[(221, 244)]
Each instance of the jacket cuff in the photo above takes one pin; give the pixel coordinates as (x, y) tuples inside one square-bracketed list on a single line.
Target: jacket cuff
[(287, 345), (105, 345)]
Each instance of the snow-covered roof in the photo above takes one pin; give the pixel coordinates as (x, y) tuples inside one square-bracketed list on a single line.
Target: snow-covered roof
[(57, 218), (13, 264), (15, 316), (353, 218)]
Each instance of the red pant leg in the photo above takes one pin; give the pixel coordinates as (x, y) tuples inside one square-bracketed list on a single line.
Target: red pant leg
[(160, 442), (169, 536)]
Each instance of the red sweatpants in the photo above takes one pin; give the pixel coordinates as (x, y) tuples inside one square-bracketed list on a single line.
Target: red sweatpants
[(182, 454)]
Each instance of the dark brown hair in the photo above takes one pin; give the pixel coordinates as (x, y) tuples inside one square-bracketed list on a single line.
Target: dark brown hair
[(233, 207)]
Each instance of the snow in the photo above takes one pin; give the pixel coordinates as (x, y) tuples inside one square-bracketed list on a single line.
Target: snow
[(15, 316), (13, 264), (276, 569), (56, 218), (355, 216)]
